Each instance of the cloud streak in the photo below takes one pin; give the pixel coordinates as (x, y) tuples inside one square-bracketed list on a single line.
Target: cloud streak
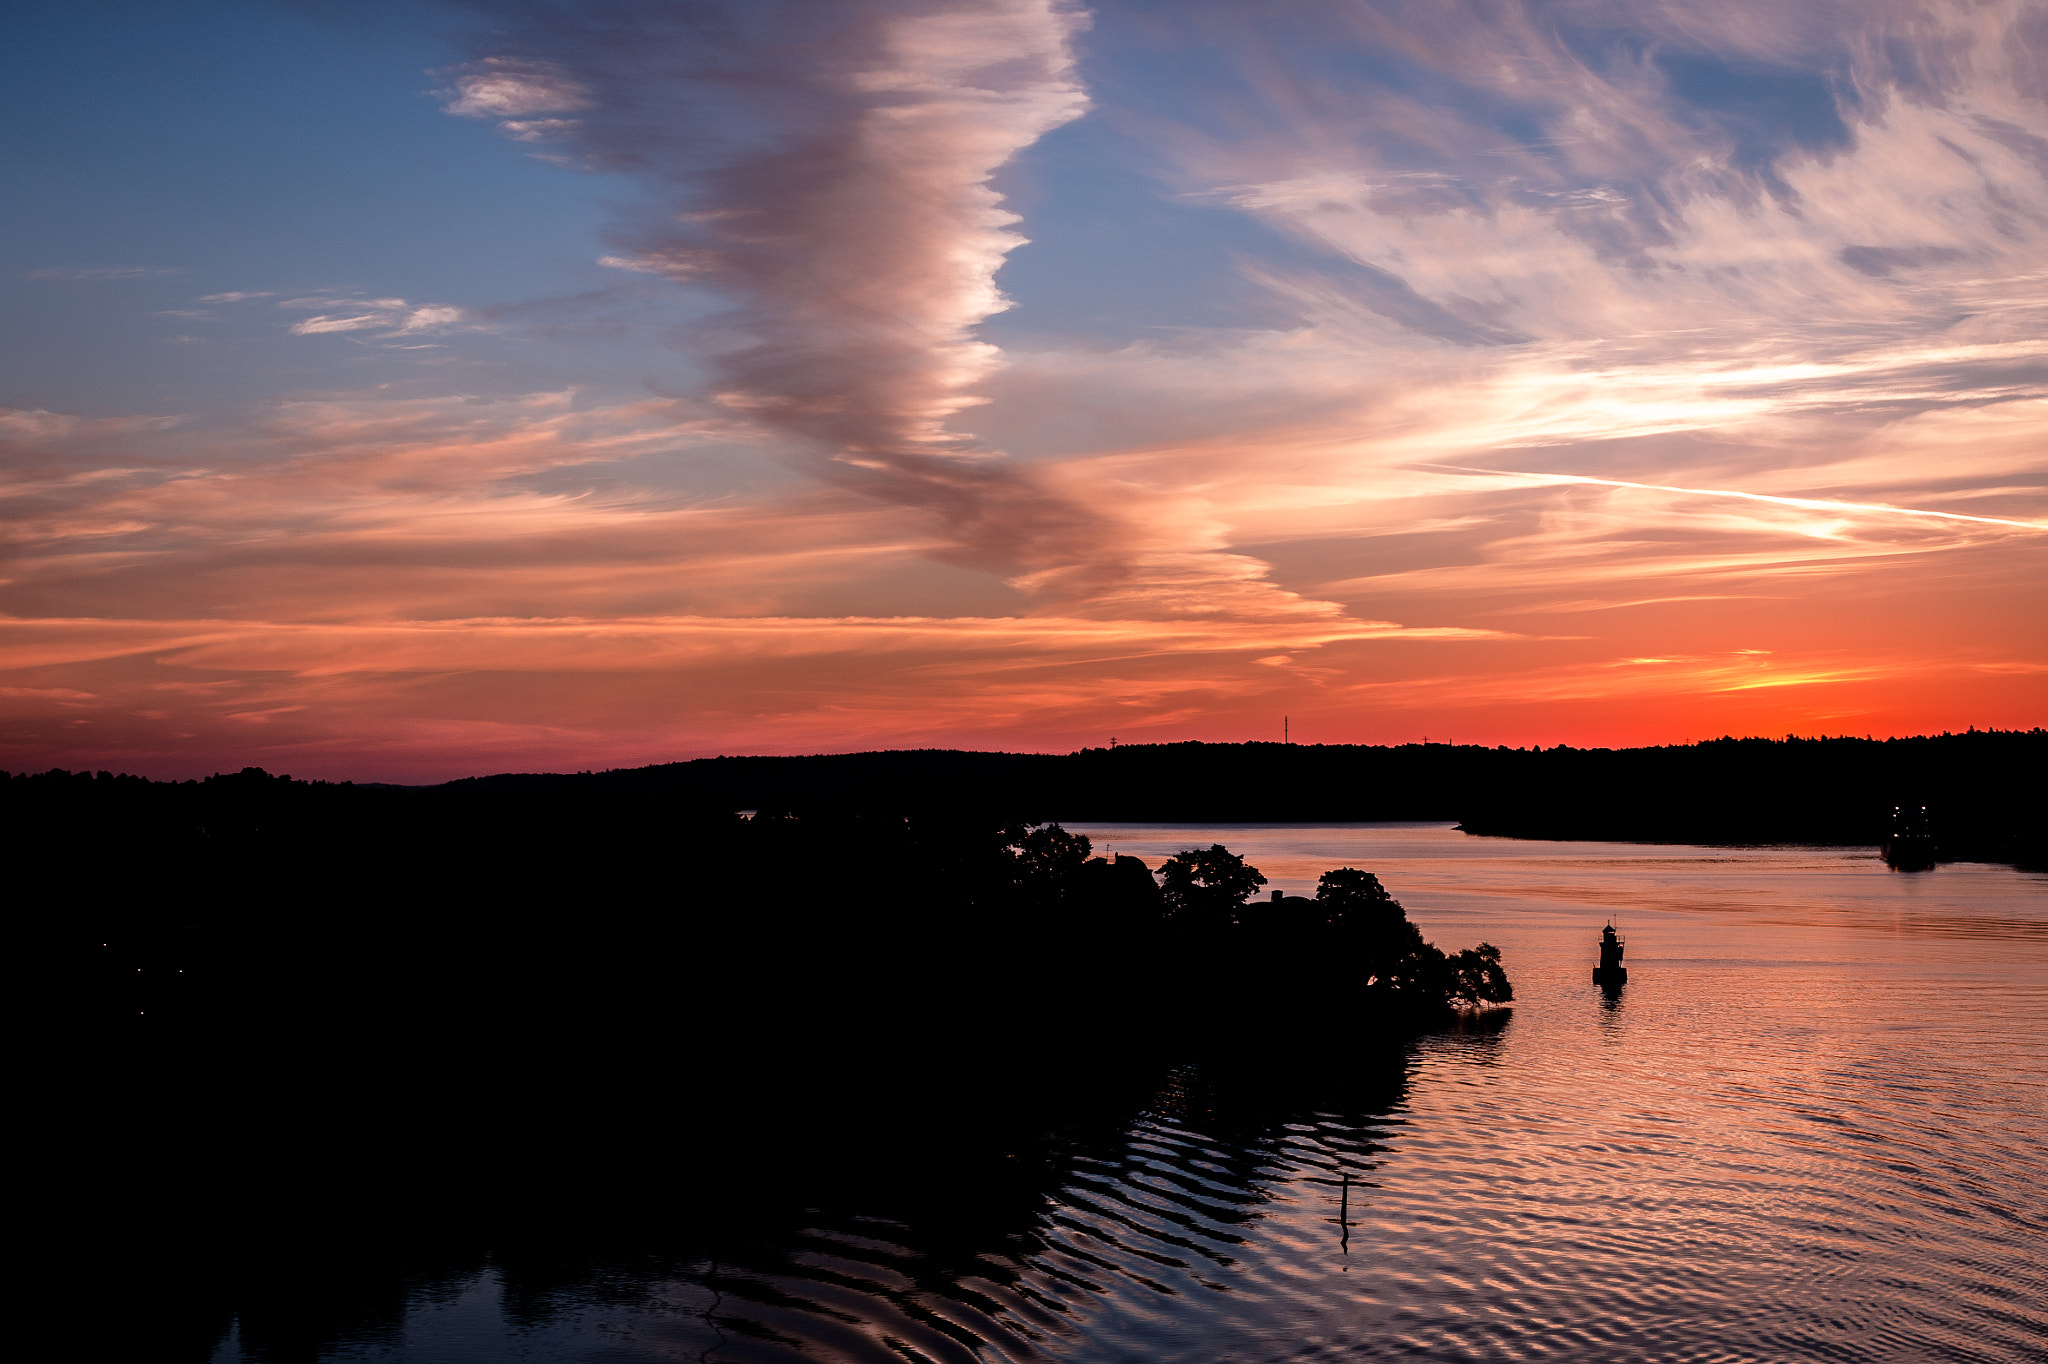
[(826, 169), (387, 317), (89, 273), (1806, 503)]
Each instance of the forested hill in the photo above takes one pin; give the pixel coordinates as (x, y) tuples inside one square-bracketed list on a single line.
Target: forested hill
[(1983, 787)]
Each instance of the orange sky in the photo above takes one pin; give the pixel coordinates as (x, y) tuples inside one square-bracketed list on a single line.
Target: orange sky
[(1641, 428)]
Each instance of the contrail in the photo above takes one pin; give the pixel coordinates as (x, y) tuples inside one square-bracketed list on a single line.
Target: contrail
[(1810, 503)]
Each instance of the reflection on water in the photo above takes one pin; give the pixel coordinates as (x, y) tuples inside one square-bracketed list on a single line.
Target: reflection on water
[(1811, 1126)]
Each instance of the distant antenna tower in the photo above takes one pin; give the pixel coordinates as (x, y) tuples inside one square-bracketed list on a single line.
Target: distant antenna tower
[(1284, 736)]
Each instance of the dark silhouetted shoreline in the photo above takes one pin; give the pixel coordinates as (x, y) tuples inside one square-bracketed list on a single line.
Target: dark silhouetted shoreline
[(1981, 787)]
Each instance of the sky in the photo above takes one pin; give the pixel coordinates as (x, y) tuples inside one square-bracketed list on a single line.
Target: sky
[(410, 391)]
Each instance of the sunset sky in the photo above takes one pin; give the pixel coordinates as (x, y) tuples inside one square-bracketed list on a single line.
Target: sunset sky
[(408, 391)]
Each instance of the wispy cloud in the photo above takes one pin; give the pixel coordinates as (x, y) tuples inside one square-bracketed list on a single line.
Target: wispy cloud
[(387, 317), (349, 536), (1802, 503), (828, 174), (83, 273), (509, 88)]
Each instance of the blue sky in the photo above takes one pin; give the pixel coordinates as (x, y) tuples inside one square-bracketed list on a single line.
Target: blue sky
[(250, 148)]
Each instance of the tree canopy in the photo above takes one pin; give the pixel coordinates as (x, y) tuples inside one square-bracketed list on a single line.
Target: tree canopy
[(1202, 917), (1206, 887)]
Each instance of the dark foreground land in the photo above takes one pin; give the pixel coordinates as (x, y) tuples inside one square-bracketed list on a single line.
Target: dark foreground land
[(292, 1044), (284, 1031)]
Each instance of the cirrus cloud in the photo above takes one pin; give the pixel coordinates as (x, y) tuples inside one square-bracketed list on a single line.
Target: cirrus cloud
[(104, 272), (387, 317), (503, 87)]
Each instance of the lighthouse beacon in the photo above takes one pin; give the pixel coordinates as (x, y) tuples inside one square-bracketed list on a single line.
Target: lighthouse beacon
[(1610, 972)]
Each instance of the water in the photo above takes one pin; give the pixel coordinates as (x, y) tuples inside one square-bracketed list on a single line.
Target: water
[(1814, 1125)]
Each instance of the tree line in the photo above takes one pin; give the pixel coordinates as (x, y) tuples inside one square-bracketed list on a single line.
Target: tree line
[(1977, 784)]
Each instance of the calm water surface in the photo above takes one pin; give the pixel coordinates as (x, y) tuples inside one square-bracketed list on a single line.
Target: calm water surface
[(1814, 1125)]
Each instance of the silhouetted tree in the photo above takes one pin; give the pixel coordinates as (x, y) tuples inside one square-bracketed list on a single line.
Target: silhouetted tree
[(1354, 902), (1399, 965), (1373, 931), (1049, 861), (1204, 888), (1480, 977)]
